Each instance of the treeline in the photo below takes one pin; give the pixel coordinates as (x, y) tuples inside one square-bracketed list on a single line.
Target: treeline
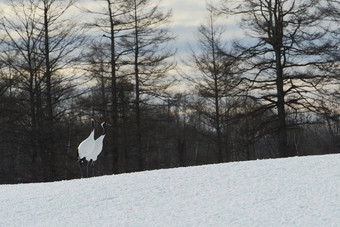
[(273, 93)]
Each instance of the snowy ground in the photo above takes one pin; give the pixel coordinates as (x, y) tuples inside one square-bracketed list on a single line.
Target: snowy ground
[(302, 191)]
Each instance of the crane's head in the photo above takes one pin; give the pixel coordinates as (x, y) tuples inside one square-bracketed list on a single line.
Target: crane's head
[(103, 124), (92, 123)]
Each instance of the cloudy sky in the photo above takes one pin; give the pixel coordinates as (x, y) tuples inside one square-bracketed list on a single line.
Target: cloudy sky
[(186, 12), (188, 15)]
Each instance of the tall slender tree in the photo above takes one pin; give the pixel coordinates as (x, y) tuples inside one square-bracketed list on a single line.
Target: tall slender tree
[(45, 41), (286, 55), (148, 43), (110, 19), (61, 39), (214, 83), (21, 57)]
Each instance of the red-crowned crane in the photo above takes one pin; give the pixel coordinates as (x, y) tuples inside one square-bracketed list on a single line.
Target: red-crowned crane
[(97, 149), (86, 147)]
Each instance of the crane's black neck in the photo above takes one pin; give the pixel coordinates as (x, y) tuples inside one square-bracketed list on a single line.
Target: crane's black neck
[(104, 128), (92, 124)]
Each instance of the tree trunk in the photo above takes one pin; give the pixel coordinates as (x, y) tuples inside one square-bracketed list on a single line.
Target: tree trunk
[(114, 114), (137, 101), (282, 127), (49, 130)]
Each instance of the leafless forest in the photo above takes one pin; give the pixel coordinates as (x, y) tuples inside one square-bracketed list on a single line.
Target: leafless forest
[(271, 94)]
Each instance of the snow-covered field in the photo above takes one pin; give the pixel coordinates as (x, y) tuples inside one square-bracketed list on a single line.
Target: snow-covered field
[(302, 191)]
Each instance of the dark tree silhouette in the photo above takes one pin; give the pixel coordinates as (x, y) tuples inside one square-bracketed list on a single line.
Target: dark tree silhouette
[(287, 55)]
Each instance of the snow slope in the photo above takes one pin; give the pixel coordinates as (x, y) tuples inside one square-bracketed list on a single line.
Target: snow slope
[(302, 191)]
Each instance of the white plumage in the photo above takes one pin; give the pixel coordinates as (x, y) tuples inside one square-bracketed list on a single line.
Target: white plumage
[(98, 146), (86, 146)]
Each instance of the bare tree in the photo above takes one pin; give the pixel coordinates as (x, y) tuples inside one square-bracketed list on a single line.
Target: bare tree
[(62, 37), (215, 81), (110, 20), (40, 44), (21, 57), (287, 55), (150, 57)]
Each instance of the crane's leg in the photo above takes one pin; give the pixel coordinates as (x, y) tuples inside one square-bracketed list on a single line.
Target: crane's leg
[(87, 169), (79, 165), (93, 169)]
